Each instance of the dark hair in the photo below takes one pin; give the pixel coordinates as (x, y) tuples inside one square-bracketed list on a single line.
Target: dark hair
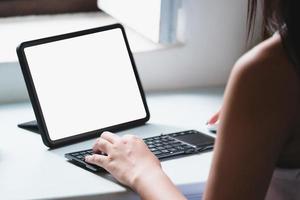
[(282, 16)]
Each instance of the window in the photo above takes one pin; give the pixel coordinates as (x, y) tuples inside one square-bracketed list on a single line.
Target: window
[(155, 19), (30, 7)]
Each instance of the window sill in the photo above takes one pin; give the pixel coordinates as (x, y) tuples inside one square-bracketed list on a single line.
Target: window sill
[(15, 30)]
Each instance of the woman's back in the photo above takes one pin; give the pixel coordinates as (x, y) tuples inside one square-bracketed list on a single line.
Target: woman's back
[(289, 157), (285, 182), (259, 129)]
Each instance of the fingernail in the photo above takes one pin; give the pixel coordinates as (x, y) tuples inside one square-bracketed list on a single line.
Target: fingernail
[(209, 122)]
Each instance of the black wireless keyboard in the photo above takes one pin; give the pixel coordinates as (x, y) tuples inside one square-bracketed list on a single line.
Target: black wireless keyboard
[(163, 146)]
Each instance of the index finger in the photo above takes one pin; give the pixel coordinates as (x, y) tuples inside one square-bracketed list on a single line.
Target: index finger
[(101, 146), (111, 137), (214, 118)]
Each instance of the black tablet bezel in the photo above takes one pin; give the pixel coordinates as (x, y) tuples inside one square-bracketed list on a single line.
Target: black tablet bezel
[(34, 96)]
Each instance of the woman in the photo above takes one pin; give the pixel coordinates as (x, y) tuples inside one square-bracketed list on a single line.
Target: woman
[(257, 150)]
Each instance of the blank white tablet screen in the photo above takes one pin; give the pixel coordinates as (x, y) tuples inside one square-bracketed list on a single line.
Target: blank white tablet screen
[(85, 83)]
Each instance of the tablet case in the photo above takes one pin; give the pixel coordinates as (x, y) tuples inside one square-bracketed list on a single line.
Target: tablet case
[(30, 126)]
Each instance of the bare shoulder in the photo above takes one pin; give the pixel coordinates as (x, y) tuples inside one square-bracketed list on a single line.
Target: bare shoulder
[(267, 68), (268, 65), (265, 79)]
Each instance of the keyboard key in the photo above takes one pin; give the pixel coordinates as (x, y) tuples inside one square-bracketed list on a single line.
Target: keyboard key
[(150, 142), (153, 149), (172, 150), (156, 152), (151, 146)]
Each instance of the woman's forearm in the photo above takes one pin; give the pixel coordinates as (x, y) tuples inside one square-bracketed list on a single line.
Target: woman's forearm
[(158, 186)]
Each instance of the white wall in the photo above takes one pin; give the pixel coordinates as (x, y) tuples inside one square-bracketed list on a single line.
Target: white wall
[(215, 36)]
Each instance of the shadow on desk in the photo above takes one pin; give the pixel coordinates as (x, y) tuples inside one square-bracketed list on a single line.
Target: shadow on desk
[(193, 191)]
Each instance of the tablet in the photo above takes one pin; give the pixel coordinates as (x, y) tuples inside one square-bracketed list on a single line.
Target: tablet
[(82, 83)]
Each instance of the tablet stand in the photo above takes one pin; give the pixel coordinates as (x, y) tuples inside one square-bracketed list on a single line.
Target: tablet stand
[(30, 126)]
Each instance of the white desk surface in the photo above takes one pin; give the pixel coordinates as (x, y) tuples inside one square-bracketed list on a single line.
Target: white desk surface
[(29, 170)]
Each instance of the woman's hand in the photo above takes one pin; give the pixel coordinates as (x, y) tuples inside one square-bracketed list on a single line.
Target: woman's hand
[(128, 158), (130, 161)]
